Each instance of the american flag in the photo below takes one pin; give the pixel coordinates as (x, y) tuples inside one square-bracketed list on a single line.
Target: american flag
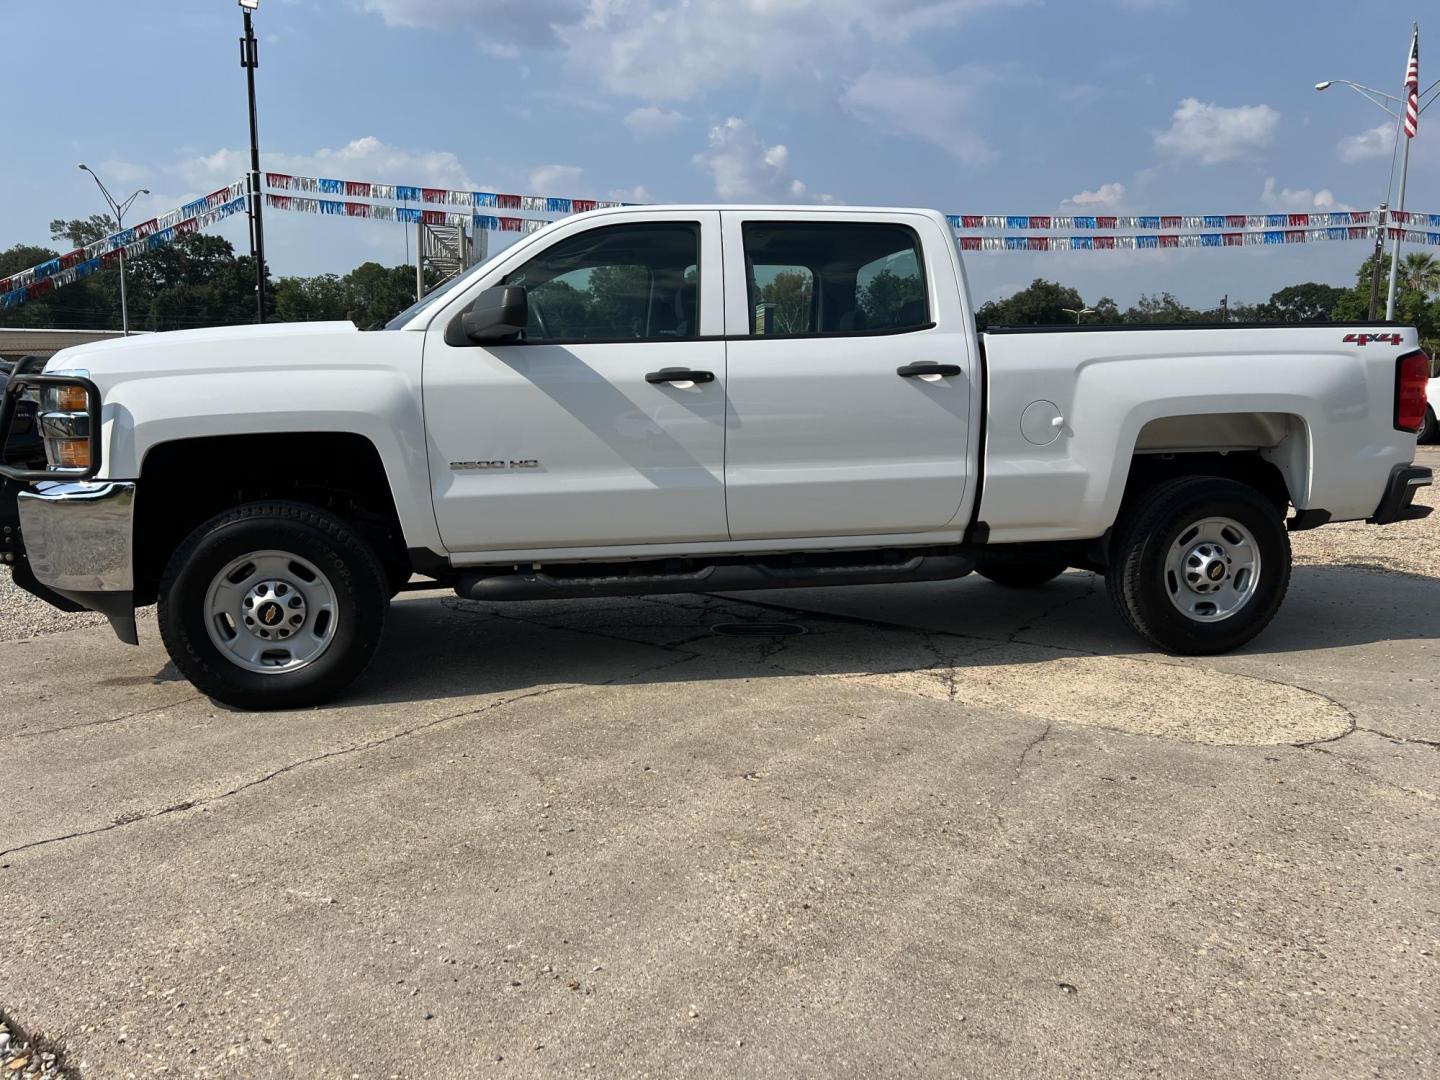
[(1412, 89)]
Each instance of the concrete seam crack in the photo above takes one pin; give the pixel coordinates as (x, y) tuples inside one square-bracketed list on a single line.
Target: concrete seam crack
[(100, 723), (190, 804)]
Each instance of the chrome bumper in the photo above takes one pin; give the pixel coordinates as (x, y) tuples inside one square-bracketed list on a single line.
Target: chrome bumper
[(79, 539)]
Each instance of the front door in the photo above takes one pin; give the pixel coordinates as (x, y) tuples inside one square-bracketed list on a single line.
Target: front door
[(825, 436), (565, 438)]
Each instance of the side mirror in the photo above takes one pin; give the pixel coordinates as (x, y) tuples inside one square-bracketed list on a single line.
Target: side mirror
[(497, 313)]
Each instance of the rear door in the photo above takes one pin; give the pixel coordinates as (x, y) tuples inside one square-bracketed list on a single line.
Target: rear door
[(566, 438), (849, 375)]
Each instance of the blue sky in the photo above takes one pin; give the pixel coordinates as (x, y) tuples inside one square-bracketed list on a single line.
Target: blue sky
[(983, 106)]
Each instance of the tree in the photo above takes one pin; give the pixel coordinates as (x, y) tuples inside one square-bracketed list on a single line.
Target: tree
[(81, 232), (1164, 308), (884, 299), (311, 299), (792, 293), (375, 294), (197, 280), (1309, 302), (1421, 272), (1043, 303)]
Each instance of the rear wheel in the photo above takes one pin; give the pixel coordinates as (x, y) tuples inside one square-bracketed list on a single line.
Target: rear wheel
[(1200, 565), (272, 605), (1017, 573)]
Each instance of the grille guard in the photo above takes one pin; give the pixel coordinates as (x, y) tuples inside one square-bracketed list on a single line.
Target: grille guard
[(15, 387)]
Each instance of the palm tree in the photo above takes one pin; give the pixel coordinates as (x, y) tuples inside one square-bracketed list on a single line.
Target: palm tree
[(1421, 272)]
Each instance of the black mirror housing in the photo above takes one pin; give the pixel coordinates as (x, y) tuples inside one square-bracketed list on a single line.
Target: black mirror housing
[(498, 313)]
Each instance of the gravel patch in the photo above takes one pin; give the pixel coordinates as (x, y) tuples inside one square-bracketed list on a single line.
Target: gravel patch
[(22, 1058), (24, 616), (1411, 547)]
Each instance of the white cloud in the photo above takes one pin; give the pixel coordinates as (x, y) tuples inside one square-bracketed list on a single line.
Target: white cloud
[(1212, 134), (365, 158), (933, 108), (668, 50), (743, 167), (557, 180), (637, 194), (1378, 142), (652, 121), (1105, 197), (1299, 199), (498, 24)]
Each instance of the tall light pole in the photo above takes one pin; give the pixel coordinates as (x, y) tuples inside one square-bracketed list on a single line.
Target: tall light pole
[(1406, 116), (119, 210), (1078, 313), (250, 60)]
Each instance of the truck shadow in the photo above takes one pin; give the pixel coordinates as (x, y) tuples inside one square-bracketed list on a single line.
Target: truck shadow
[(438, 646)]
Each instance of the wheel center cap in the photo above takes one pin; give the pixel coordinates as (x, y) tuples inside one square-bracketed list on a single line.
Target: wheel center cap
[(1207, 567), (270, 613)]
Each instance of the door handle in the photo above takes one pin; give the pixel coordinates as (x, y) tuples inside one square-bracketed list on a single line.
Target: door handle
[(910, 371), (674, 375)]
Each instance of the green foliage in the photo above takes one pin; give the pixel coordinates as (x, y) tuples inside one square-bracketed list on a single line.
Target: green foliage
[(793, 294), (883, 300), (1310, 302), (1042, 304), (81, 232), (199, 280)]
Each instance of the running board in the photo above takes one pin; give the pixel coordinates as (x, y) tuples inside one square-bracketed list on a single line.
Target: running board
[(715, 577)]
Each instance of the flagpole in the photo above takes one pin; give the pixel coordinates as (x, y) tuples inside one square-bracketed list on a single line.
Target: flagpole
[(1398, 232), (1404, 175)]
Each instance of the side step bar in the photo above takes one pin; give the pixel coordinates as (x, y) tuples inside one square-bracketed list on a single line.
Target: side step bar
[(715, 577)]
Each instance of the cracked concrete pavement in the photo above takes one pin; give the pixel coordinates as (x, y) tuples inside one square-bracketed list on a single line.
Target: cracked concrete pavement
[(951, 830)]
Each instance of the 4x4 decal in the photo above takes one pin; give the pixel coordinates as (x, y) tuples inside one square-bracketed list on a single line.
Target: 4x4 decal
[(1366, 339)]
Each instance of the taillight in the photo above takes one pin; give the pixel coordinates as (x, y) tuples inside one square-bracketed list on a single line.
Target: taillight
[(1412, 373)]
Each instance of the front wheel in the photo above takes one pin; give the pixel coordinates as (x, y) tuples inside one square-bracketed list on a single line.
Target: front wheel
[(272, 605), (1200, 565)]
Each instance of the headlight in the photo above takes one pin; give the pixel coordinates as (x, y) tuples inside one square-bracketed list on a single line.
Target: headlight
[(65, 425)]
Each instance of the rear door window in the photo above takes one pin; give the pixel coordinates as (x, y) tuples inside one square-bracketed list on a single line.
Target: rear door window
[(834, 279)]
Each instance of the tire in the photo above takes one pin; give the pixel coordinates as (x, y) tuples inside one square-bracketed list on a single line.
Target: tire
[(1430, 433), (1016, 573), (1162, 572), (325, 581)]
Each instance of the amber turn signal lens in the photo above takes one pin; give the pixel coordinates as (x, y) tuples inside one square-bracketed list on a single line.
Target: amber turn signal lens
[(71, 398), (69, 453)]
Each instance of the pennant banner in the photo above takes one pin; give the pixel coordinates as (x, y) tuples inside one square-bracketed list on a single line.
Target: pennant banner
[(431, 196), (1146, 241), (1178, 222), (151, 235)]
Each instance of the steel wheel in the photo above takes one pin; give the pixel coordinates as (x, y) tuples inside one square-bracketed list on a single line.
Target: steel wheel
[(271, 612), (1212, 569)]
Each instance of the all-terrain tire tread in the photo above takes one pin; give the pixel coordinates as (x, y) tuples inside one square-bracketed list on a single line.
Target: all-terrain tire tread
[(358, 559), (1150, 515)]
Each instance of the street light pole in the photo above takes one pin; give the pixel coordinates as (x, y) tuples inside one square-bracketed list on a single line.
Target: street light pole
[(250, 60), (1375, 264), (1413, 56), (1385, 101), (119, 210)]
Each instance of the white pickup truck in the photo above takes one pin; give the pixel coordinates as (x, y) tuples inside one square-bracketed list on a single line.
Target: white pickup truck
[(689, 399)]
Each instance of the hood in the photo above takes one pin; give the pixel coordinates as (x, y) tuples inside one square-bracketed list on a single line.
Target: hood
[(217, 346)]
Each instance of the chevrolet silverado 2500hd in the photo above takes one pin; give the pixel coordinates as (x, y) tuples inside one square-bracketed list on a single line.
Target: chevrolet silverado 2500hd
[(688, 399)]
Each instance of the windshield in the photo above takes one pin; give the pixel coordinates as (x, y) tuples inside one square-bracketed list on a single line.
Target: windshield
[(430, 299)]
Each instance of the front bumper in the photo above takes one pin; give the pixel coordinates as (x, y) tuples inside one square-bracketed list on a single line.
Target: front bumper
[(79, 544), (1399, 501)]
